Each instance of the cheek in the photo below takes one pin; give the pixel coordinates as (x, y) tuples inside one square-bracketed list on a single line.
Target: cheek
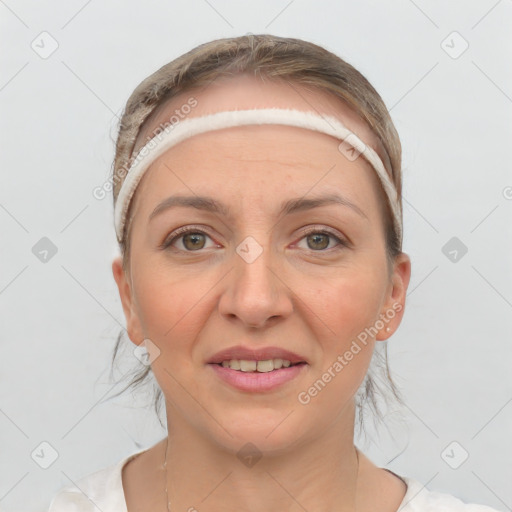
[(346, 305), (171, 306)]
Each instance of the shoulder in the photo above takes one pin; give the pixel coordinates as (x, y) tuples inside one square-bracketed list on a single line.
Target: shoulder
[(419, 498), (101, 490)]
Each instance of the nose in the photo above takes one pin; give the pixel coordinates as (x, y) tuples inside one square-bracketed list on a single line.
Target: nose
[(256, 294)]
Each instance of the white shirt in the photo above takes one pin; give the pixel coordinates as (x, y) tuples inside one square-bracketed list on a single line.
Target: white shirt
[(103, 491)]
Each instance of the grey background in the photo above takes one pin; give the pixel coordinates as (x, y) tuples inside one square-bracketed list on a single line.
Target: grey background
[(59, 319)]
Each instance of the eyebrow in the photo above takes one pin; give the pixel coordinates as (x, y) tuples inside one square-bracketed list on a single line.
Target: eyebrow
[(301, 204), (198, 202), (209, 204)]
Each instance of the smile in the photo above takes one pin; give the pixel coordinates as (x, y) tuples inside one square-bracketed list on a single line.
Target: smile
[(257, 376), (246, 365)]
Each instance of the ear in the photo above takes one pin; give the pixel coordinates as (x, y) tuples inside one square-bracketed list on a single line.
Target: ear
[(394, 305), (125, 288)]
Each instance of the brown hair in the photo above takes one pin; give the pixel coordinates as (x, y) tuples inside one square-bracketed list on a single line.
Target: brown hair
[(270, 57)]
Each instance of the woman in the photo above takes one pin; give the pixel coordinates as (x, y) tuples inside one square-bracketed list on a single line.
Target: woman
[(257, 192)]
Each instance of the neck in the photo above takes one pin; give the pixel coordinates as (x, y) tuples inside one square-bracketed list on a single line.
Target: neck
[(319, 474)]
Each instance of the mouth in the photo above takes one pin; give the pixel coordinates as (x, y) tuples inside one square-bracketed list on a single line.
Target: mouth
[(261, 376), (258, 366), (257, 370), (264, 359)]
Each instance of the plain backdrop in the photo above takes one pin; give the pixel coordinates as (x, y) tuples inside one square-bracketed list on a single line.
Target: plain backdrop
[(67, 69)]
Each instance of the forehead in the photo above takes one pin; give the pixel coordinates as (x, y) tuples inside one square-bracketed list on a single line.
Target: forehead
[(205, 165), (246, 92)]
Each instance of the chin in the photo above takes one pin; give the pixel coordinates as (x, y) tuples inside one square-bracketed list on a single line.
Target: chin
[(270, 432)]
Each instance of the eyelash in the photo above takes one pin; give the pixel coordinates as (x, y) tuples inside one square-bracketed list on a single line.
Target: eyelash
[(180, 232), (341, 243)]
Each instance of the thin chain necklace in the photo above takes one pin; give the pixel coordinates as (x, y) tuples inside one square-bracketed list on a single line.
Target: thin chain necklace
[(166, 479)]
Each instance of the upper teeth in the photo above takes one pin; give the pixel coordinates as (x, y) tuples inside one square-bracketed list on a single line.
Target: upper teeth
[(245, 365)]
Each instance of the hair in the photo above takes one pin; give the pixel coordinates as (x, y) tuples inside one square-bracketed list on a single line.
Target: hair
[(274, 58)]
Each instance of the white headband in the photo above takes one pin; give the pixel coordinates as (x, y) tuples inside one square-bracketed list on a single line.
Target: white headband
[(182, 130)]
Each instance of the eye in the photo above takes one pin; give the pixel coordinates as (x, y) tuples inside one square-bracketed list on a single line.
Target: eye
[(320, 240), (189, 239)]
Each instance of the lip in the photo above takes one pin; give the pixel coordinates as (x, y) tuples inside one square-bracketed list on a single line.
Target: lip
[(260, 354), (256, 381)]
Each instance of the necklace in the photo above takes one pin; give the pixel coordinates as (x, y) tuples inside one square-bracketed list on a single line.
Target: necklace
[(166, 479)]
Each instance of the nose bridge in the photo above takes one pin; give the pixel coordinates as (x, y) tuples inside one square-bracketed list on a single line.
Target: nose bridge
[(253, 268), (255, 294)]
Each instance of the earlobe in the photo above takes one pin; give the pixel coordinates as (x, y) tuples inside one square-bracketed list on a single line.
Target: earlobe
[(394, 307), (125, 294)]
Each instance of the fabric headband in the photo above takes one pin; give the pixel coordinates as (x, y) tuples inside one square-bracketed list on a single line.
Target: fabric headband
[(176, 133)]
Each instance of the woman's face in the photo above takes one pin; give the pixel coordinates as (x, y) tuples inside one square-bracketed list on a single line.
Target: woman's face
[(284, 247)]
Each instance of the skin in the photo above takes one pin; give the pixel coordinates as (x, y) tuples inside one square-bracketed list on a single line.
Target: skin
[(309, 299)]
